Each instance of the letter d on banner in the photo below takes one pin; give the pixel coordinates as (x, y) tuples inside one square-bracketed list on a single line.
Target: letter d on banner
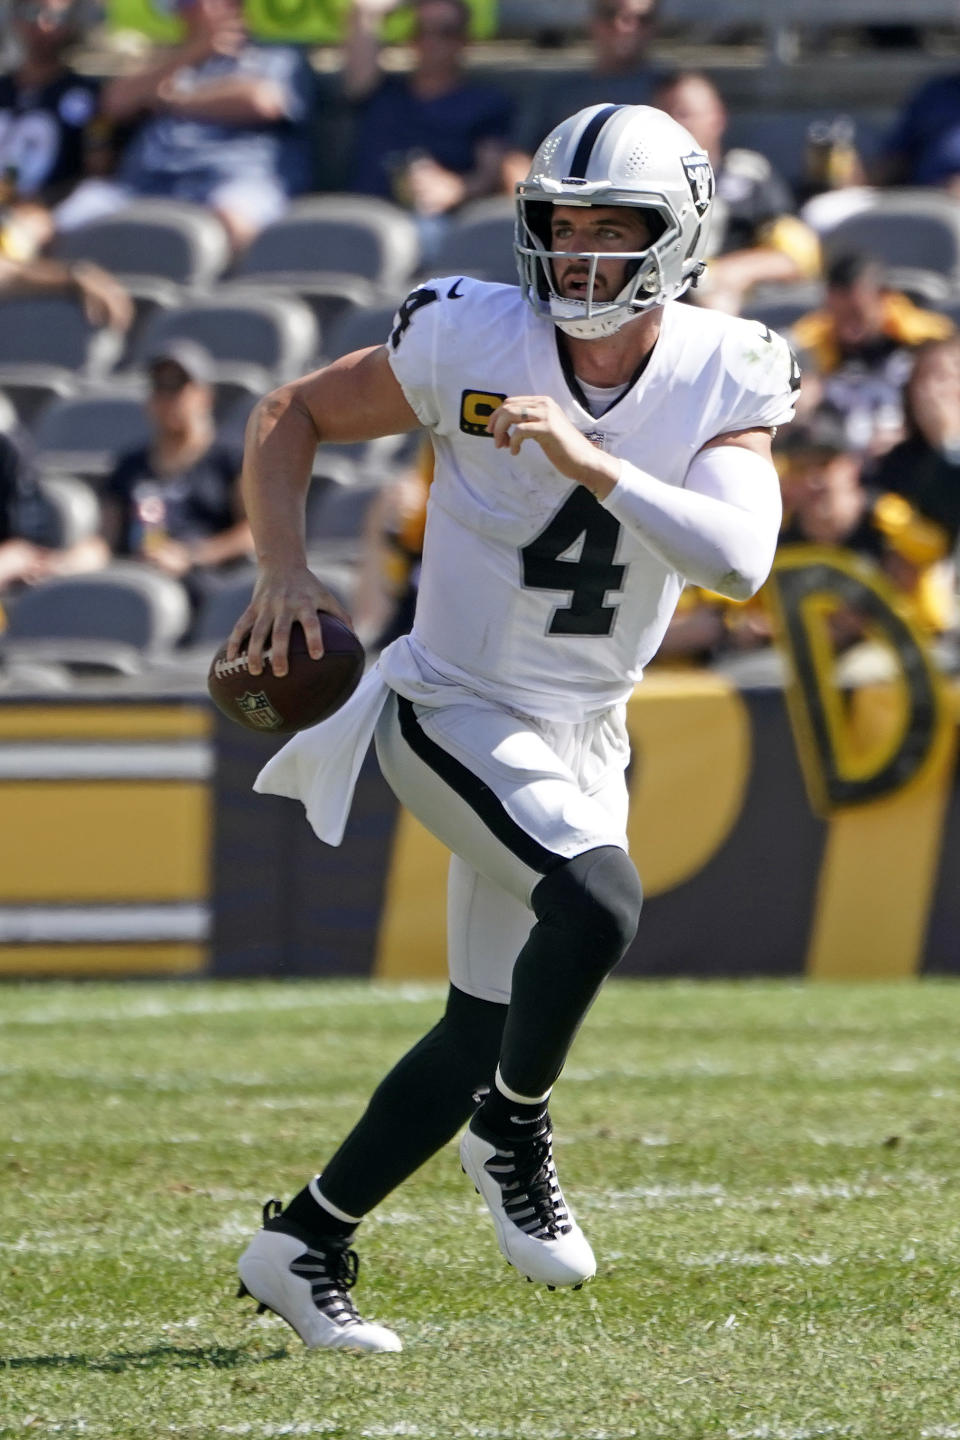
[(877, 761), (808, 585)]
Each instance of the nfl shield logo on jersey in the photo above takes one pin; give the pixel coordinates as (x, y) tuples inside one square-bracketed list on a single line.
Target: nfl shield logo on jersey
[(700, 177)]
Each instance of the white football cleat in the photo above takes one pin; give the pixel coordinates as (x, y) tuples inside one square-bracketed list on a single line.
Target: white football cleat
[(308, 1285), (535, 1228)]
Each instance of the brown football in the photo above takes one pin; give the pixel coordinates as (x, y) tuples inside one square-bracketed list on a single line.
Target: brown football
[(309, 692)]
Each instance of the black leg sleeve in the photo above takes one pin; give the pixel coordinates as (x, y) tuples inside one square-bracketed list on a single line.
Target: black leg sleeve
[(418, 1106), (587, 912)]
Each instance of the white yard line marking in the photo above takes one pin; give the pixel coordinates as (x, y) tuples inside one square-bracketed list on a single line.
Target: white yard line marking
[(73, 1011), (697, 1195)]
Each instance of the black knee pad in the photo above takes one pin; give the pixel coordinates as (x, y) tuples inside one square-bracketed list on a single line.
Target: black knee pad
[(596, 897)]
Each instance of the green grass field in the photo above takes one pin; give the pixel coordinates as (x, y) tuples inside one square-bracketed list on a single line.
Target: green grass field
[(768, 1173)]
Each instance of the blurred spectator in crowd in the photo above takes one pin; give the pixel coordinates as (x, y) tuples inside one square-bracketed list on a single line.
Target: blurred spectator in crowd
[(832, 505), (621, 35), (707, 629), (859, 347), (175, 503), (828, 501), (104, 300), (925, 466), (755, 237), (429, 139), (924, 145), (28, 549), (388, 575), (220, 121), (834, 184), (47, 115)]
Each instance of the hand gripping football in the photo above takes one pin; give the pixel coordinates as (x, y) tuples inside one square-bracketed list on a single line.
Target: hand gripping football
[(309, 692)]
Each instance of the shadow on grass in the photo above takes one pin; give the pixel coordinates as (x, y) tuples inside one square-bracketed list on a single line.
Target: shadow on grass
[(158, 1357)]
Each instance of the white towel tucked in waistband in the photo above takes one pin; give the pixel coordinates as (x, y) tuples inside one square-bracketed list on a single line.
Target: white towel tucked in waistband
[(319, 766)]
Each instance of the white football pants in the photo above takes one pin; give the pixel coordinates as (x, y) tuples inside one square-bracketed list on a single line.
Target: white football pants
[(512, 797)]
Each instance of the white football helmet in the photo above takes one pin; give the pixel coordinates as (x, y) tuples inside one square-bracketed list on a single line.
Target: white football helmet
[(616, 155)]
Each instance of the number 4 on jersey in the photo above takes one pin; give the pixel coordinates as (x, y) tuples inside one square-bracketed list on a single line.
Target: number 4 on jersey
[(589, 577)]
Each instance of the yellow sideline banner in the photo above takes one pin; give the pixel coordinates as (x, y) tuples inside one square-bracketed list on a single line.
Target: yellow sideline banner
[(106, 845), (878, 762), (133, 844), (296, 22), (813, 830)]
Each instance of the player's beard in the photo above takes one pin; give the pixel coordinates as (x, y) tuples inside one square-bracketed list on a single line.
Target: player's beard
[(602, 289)]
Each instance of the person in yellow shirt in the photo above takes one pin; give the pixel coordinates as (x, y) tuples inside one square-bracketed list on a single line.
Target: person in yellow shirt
[(827, 503), (858, 349)]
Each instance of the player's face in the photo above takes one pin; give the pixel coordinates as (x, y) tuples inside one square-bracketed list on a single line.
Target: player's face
[(592, 229)]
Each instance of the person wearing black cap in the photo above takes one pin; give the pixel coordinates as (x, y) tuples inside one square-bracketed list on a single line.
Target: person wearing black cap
[(835, 501), (175, 502)]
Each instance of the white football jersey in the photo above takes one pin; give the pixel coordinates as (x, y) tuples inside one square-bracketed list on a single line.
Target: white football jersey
[(531, 593)]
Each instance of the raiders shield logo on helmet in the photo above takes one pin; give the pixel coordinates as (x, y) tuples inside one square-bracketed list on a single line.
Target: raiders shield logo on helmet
[(700, 175)]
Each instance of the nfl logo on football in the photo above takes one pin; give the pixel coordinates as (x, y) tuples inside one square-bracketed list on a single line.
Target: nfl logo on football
[(258, 710)]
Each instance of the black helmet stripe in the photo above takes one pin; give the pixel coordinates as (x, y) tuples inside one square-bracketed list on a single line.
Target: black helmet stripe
[(578, 170)]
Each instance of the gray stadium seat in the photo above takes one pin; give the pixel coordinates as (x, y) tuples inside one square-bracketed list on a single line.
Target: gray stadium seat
[(277, 332), (83, 434), (330, 296), (8, 415), (169, 239), (53, 330), (30, 387), (223, 601), (479, 242), (915, 228), (74, 505), (780, 305), (358, 329), (356, 235), (115, 619), (336, 511)]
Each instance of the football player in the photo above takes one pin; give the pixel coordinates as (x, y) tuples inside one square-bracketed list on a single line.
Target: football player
[(597, 445)]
